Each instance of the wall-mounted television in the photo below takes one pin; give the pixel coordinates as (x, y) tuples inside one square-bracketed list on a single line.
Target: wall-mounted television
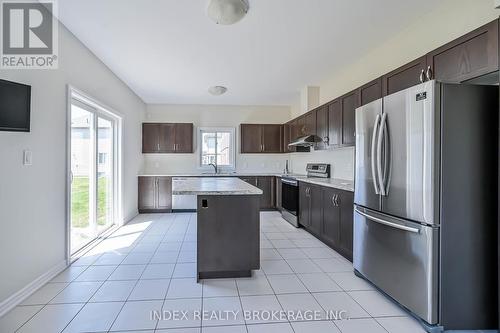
[(15, 105)]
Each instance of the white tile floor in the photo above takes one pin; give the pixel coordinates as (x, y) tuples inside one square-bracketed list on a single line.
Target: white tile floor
[(149, 264)]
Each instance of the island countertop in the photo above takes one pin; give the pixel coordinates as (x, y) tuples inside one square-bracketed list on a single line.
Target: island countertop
[(213, 186)]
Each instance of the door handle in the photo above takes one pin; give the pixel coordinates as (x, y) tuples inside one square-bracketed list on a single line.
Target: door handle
[(387, 223), (422, 76), (373, 157), (379, 153), (428, 73)]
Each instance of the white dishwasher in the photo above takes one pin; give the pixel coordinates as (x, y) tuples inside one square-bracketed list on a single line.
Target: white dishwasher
[(183, 202)]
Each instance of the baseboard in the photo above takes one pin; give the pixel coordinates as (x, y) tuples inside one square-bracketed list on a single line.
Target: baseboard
[(29, 289), (129, 217)]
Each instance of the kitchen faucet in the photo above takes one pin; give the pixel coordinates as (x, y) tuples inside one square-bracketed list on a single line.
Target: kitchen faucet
[(215, 167)]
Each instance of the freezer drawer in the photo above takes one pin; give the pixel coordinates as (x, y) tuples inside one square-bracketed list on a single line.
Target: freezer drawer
[(400, 258)]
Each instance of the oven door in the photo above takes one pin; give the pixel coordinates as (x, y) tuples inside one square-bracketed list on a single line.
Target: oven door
[(290, 196)]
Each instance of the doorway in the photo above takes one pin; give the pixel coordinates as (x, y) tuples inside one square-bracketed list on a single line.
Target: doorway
[(93, 171)]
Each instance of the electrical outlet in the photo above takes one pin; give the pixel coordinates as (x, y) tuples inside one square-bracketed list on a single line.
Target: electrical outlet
[(27, 157)]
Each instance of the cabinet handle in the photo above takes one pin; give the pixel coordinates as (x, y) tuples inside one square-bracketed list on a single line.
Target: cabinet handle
[(326, 140), (422, 76), (333, 200), (428, 73), (158, 146)]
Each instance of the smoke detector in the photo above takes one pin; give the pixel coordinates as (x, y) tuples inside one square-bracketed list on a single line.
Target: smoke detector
[(217, 90), (227, 12)]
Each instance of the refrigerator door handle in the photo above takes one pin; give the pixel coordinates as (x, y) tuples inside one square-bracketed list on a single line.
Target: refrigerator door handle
[(379, 154), (387, 223), (373, 157)]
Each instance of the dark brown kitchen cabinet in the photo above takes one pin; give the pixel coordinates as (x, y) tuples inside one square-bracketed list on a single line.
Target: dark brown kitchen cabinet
[(267, 185), (316, 195), (405, 76), (322, 127), (150, 138), (310, 207), (279, 187), (258, 138), (272, 138), (155, 194), (184, 138), (301, 126), (335, 123), (305, 205), (346, 223), (349, 104), (310, 123), (167, 138), (470, 56), (294, 129), (370, 92), (251, 138), (327, 213), (330, 230), (288, 136)]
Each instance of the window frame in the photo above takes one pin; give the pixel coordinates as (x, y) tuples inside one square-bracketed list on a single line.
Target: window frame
[(232, 132)]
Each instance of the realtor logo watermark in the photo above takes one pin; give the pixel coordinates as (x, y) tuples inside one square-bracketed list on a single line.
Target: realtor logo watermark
[(29, 35)]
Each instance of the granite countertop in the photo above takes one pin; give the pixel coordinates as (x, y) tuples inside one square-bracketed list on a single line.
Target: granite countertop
[(225, 174), (213, 186), (341, 184)]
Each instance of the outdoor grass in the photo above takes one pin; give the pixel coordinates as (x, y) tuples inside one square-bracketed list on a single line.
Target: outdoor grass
[(80, 202)]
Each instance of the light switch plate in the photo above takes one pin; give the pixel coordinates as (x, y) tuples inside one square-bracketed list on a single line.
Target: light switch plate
[(27, 157)]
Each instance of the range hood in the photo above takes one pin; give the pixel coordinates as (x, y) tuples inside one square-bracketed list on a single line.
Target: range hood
[(305, 141)]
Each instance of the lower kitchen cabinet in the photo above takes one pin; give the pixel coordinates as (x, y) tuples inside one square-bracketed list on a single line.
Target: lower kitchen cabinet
[(346, 224), (279, 186), (327, 213), (155, 194), (267, 185), (310, 207), (330, 230)]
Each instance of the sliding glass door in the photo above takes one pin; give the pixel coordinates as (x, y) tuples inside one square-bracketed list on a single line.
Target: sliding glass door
[(92, 198)]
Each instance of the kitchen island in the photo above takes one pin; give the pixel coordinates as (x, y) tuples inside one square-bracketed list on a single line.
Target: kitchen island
[(228, 223)]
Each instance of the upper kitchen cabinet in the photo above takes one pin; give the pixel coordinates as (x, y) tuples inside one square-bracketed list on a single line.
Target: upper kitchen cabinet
[(322, 127), (335, 123), (310, 123), (349, 103), (470, 56), (288, 136), (167, 138), (370, 92), (251, 138), (184, 138), (404, 77), (272, 138), (257, 138)]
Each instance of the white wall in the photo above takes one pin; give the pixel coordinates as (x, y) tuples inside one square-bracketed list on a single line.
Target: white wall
[(215, 116), (32, 198), (341, 161), (450, 19)]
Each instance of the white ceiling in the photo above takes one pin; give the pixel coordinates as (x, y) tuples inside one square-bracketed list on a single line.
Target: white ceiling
[(169, 51)]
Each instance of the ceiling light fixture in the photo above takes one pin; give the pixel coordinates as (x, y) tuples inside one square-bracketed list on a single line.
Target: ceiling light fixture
[(227, 11), (217, 90)]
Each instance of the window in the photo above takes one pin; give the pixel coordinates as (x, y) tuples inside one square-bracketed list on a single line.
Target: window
[(217, 146)]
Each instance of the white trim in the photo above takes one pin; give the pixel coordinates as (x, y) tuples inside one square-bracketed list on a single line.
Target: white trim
[(30, 288), (232, 130), (110, 114)]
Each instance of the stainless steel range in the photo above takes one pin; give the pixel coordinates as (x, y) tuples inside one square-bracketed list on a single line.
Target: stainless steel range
[(290, 190)]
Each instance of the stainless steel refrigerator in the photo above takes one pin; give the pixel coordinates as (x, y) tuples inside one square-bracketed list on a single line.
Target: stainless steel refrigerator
[(425, 224)]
